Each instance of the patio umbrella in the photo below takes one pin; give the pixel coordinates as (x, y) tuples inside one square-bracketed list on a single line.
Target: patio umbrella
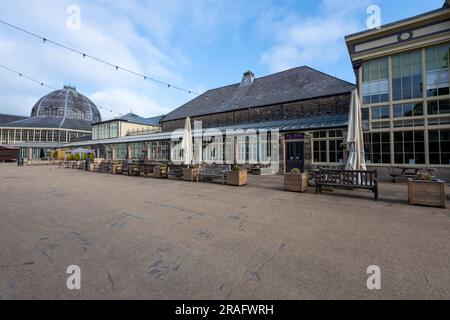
[(355, 142), (187, 144)]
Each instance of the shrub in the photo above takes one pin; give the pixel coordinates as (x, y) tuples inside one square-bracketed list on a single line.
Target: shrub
[(237, 168), (91, 157), (296, 171), (77, 157)]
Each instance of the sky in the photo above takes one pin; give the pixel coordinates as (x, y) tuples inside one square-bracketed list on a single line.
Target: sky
[(195, 44)]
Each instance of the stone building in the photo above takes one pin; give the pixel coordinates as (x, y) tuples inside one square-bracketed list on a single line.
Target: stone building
[(308, 107)]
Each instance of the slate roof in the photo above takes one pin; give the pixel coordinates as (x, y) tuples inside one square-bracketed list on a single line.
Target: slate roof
[(7, 118), (50, 123), (134, 118), (300, 83)]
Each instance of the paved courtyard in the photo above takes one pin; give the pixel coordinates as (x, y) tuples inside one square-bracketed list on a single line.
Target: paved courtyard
[(162, 239)]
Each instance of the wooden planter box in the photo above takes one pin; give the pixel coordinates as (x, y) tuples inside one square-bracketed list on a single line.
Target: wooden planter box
[(296, 182), (115, 168), (237, 178), (160, 172), (190, 174), (426, 193)]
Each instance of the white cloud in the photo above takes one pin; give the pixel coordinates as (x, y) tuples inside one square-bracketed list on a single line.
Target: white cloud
[(106, 33), (315, 40), (127, 101)]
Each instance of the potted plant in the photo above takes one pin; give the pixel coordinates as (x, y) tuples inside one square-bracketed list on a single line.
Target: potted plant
[(72, 161), (426, 190), (237, 177), (295, 181), (91, 158)]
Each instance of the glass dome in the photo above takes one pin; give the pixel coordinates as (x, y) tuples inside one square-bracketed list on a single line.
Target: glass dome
[(66, 103)]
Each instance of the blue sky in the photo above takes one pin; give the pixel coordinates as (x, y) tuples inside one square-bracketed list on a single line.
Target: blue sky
[(195, 44)]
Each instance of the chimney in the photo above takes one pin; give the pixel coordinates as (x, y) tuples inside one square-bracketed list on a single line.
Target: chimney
[(247, 79)]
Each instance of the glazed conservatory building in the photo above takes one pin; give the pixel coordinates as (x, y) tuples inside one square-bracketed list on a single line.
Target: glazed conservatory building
[(402, 73), (58, 118)]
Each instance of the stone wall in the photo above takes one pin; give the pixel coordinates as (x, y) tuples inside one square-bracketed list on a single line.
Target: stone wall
[(308, 108)]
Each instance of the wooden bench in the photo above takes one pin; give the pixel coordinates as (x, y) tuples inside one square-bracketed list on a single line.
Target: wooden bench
[(175, 172), (160, 171), (345, 179), (104, 167), (213, 173), (131, 168), (135, 168), (147, 167), (125, 167)]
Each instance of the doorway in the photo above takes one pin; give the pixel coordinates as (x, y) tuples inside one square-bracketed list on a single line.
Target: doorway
[(295, 155)]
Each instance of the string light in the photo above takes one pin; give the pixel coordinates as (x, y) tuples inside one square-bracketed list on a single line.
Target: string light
[(43, 84), (84, 55)]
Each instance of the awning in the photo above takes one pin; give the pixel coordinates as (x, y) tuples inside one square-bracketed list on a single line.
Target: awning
[(309, 123)]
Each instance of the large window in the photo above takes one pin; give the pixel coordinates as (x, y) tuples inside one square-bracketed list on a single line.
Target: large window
[(437, 62), (213, 148), (439, 106), (62, 136), (409, 147), (159, 150), (380, 117), (439, 146), (408, 110), (320, 151), (138, 151), (365, 115), (407, 76), (121, 151), (94, 132), (375, 87), (377, 147), (113, 132), (379, 113), (327, 146)]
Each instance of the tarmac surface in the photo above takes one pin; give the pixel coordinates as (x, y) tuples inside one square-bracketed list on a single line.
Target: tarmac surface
[(144, 238)]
